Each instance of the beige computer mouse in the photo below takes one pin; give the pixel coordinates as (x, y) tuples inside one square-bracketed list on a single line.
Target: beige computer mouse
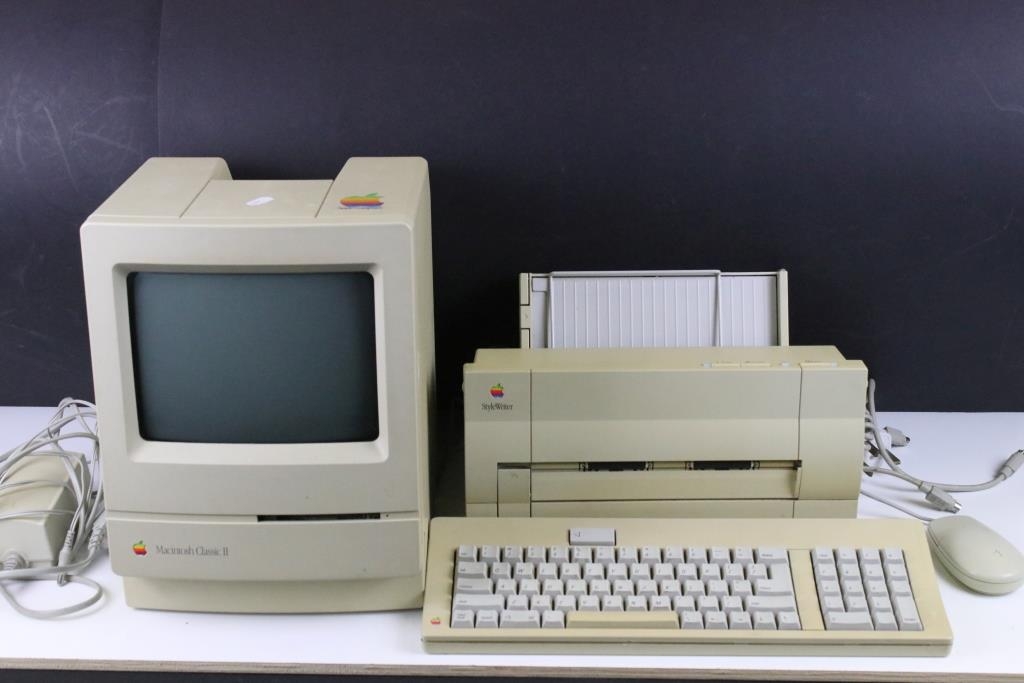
[(975, 555)]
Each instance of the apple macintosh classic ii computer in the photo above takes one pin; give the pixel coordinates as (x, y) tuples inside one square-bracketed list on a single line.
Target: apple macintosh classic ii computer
[(263, 357)]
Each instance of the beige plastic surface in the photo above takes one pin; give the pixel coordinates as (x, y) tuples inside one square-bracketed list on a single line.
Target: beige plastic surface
[(795, 412), (37, 539), (187, 215), (797, 535)]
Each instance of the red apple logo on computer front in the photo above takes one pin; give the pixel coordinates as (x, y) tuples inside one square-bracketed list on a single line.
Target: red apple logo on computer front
[(498, 391), (362, 201), (139, 548)]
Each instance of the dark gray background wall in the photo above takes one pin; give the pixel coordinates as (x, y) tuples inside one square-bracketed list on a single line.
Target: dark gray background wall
[(875, 150)]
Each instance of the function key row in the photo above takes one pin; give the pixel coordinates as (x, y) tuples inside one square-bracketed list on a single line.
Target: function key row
[(488, 554)]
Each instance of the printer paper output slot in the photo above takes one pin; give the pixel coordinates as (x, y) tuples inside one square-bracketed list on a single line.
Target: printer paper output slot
[(773, 480)]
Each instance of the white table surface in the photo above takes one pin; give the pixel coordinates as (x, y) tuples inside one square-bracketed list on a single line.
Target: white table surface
[(957, 447)]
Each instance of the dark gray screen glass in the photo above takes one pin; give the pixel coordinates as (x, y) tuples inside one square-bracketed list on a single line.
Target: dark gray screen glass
[(254, 357)]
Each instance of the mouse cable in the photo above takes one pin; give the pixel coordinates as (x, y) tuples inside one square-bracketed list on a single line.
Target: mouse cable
[(937, 493), (74, 419)]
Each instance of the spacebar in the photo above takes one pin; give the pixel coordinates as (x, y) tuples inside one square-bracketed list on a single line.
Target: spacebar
[(622, 620)]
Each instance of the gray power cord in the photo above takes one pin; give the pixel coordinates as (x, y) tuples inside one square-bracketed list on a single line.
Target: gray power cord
[(878, 441), (87, 528)]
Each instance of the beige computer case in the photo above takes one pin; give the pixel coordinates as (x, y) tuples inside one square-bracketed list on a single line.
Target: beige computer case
[(317, 527), (695, 432)]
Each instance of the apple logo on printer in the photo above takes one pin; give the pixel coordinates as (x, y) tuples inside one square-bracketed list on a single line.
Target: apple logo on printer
[(496, 392)]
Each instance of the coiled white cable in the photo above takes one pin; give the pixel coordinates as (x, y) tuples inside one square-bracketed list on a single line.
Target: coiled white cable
[(74, 419)]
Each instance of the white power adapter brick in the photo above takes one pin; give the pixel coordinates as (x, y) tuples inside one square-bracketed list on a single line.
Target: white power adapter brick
[(38, 539)]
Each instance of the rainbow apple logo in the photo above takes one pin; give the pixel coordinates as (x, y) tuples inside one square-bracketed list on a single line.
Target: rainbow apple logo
[(498, 391), (362, 201), (139, 548)]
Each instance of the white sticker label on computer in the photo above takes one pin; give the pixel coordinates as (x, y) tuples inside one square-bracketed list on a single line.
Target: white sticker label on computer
[(259, 201)]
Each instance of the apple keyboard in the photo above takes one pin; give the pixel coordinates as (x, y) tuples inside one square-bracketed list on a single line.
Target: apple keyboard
[(682, 586)]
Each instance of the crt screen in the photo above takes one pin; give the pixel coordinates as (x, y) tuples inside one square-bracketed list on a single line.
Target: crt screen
[(254, 357)]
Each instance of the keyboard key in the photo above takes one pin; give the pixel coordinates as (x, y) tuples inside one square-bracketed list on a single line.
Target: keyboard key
[(581, 555), (741, 587), (612, 603), (501, 570), (823, 556), (547, 570), (617, 570), (463, 618), (519, 619), (771, 603), (490, 554), (524, 570), (906, 613), (474, 586), (540, 603), (584, 536), (487, 619), (636, 603), (719, 555), (588, 603), (506, 587), (717, 588), (691, 620), (764, 621), (885, 621), (788, 621), (650, 554), (757, 571), (739, 621), (768, 556), (529, 587), (731, 603), (558, 554), (471, 570), (696, 555), (662, 571), (846, 556), (716, 620), (565, 603), (869, 557), (627, 555), (512, 554), (773, 587), (660, 602), (466, 553), (604, 555), (743, 555), (552, 619), (515, 603), (478, 602), (536, 554), (848, 621), (686, 571), (684, 603), (624, 620), (576, 587), (570, 570)]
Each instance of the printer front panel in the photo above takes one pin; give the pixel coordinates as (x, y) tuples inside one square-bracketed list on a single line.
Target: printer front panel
[(693, 414), (497, 424)]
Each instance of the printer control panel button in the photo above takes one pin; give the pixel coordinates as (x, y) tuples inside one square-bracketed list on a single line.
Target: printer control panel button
[(591, 536)]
